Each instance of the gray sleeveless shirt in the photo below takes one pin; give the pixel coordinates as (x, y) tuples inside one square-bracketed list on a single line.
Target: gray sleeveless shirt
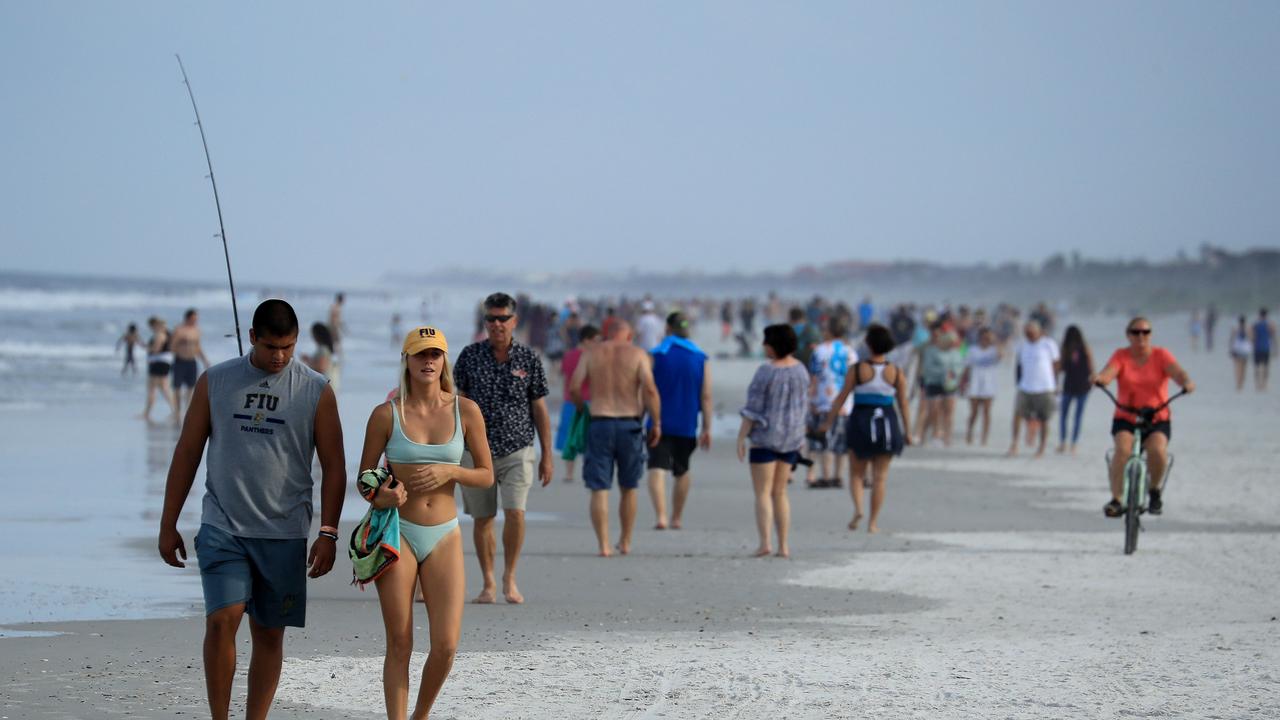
[(258, 480)]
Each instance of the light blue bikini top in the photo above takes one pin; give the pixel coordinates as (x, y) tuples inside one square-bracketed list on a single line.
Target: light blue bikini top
[(403, 451)]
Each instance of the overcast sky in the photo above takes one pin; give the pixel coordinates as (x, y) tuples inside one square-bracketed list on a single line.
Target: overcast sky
[(350, 139)]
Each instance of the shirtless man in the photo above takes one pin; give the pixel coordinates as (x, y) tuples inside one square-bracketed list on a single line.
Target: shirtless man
[(622, 389), (186, 349)]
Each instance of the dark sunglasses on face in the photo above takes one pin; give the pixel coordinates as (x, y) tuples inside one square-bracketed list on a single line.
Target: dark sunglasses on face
[(1140, 331), (497, 318)]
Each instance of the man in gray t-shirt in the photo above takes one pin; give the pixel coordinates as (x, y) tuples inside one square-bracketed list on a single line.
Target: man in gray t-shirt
[(264, 417)]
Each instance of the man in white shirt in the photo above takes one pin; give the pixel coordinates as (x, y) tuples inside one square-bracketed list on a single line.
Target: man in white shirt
[(650, 328), (1038, 365)]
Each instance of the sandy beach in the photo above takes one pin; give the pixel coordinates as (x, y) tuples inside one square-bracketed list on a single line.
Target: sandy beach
[(997, 589)]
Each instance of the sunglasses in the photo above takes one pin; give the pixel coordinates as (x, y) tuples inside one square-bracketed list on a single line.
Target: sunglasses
[(1140, 331), (497, 318)]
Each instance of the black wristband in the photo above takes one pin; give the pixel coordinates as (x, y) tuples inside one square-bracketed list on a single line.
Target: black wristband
[(331, 536)]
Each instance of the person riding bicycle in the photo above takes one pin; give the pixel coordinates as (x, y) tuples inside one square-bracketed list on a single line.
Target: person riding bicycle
[(1142, 372)]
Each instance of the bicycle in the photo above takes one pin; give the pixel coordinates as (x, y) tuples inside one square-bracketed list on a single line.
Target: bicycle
[(1135, 490)]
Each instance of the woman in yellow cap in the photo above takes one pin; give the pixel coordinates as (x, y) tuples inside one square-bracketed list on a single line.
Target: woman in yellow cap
[(423, 432)]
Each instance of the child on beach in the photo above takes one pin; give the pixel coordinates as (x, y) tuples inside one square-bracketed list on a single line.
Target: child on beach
[(129, 341)]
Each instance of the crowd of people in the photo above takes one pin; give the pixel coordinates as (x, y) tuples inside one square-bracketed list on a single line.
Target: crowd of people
[(836, 389), (174, 357)]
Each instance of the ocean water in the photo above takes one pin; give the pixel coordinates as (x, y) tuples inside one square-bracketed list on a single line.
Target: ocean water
[(83, 482)]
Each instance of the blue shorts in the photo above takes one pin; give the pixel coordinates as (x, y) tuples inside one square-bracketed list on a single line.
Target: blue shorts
[(765, 455), (614, 441), (268, 576)]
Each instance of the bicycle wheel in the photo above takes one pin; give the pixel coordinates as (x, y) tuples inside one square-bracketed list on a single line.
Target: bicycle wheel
[(1133, 506)]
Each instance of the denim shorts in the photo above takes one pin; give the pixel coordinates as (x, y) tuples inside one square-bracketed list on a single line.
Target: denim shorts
[(268, 576), (614, 441)]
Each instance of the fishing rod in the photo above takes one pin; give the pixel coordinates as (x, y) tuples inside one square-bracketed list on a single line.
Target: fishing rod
[(222, 230)]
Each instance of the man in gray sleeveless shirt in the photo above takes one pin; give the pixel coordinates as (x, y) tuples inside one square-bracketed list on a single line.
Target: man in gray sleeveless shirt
[(264, 416)]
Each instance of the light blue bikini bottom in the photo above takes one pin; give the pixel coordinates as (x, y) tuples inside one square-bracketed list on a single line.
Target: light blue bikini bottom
[(423, 538)]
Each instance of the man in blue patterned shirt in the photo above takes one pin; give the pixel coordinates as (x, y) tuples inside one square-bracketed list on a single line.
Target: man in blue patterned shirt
[(506, 379)]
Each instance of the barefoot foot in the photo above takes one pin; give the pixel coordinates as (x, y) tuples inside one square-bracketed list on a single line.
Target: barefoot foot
[(784, 553), (675, 525), (762, 552), (486, 596), (853, 524), (605, 551), (660, 525), (624, 548), (512, 593), (872, 529)]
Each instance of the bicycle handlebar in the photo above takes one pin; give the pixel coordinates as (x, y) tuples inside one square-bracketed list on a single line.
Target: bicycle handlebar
[(1144, 414)]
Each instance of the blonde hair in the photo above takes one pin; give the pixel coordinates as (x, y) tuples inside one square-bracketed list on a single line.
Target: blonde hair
[(446, 376)]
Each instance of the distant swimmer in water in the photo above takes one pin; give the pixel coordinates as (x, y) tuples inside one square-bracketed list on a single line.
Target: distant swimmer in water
[(186, 349), (159, 362), (129, 340)]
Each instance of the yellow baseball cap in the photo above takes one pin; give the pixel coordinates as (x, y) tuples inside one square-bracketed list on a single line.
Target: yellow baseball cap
[(424, 338)]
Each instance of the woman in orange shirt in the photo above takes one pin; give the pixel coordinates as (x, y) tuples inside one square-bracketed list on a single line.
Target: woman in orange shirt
[(1142, 372)]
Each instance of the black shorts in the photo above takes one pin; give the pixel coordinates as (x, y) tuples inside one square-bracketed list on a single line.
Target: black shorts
[(157, 369), (1261, 358), (672, 453), (760, 455), (1164, 427), (938, 391), (185, 373)]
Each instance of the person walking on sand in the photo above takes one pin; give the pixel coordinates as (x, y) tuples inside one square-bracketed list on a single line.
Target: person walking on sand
[(829, 362), (979, 382), (1263, 337), (159, 363), (186, 350), (774, 421), (875, 434), (1039, 362), (649, 327), (586, 337), (1077, 368), (506, 379), (423, 432), (129, 341), (263, 417), (1241, 349), (622, 389), (682, 374)]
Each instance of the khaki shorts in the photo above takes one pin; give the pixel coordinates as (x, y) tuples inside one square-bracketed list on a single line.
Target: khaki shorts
[(512, 478), (1034, 405)]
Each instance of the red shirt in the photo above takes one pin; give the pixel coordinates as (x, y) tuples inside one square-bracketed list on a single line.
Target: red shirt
[(1142, 383), (568, 364)]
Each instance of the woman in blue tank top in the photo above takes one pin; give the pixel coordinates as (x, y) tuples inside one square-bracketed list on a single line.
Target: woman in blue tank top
[(423, 432)]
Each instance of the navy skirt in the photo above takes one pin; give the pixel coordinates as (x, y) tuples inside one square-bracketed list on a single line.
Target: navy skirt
[(874, 430)]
